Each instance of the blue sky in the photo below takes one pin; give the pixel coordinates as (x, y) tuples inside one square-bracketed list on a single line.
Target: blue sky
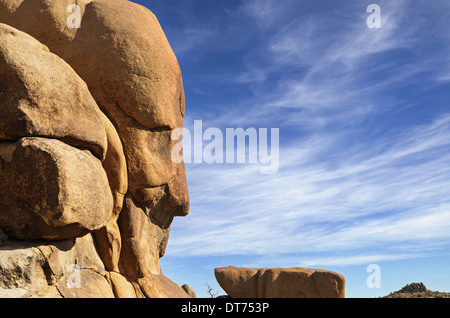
[(364, 122)]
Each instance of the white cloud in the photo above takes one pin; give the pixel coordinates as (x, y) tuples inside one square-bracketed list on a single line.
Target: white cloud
[(326, 261), (264, 12), (334, 57), (392, 191), (335, 192), (192, 39)]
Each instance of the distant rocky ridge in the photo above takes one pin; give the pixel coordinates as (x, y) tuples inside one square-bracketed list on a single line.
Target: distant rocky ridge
[(416, 290)]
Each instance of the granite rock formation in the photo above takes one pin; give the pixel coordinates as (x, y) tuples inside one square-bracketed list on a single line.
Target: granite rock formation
[(86, 117), (239, 282)]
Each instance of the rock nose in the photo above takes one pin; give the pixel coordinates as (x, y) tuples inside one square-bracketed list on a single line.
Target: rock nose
[(163, 203)]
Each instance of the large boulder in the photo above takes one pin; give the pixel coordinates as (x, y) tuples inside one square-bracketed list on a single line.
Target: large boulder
[(131, 71), (41, 95), (51, 190), (296, 282), (133, 76), (123, 60)]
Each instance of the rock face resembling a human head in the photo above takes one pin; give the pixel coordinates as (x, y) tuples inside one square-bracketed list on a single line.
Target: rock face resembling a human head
[(85, 132)]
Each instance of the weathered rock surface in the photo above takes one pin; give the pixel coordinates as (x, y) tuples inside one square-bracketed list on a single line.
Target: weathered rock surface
[(42, 96), (127, 67), (131, 71), (129, 59), (241, 282), (50, 190), (65, 269), (21, 271), (108, 238)]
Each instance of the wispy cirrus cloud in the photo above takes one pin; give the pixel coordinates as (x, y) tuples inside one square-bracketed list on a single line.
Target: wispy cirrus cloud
[(326, 197), (363, 161), (319, 67), (192, 39)]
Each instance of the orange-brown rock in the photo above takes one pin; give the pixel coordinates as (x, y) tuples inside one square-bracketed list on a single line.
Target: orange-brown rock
[(42, 96), (51, 191), (122, 59), (241, 282), (134, 78), (63, 269), (108, 238)]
